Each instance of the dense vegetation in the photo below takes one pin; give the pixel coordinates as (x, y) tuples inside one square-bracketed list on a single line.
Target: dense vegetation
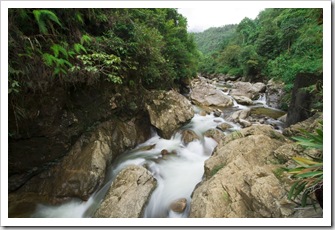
[(146, 47), (279, 43)]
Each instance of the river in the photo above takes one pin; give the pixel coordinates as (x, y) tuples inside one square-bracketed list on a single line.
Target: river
[(177, 173)]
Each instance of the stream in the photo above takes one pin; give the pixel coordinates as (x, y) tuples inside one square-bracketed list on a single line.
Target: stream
[(177, 173)]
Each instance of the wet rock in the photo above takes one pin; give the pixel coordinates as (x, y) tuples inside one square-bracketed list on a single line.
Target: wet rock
[(259, 87), (217, 113), (128, 194), (164, 152), (206, 95), (244, 123), (240, 114), (246, 89), (214, 134), (178, 205), (189, 136), (168, 111), (224, 126), (242, 100)]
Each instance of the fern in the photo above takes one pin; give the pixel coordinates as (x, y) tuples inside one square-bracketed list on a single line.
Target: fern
[(45, 16), (58, 48), (85, 39), (78, 47)]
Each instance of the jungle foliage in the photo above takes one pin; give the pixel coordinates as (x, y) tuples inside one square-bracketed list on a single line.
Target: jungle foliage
[(146, 47), (279, 43)]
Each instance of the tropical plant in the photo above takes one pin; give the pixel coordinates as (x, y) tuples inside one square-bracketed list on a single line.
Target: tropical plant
[(308, 174)]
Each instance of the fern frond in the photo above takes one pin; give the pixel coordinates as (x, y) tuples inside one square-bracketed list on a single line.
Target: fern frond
[(42, 17)]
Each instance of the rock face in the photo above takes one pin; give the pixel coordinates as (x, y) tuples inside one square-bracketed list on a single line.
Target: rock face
[(128, 194), (240, 180), (206, 95), (247, 89), (168, 111), (274, 93), (83, 170), (302, 99)]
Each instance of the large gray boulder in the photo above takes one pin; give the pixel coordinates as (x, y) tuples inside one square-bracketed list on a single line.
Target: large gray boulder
[(168, 111), (128, 194), (240, 180), (247, 89), (204, 94)]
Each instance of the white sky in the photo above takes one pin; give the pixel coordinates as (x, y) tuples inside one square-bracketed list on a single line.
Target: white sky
[(200, 19)]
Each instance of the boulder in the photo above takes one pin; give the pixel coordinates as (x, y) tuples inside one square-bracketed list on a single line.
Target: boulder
[(240, 114), (214, 134), (206, 95), (224, 126), (178, 205), (168, 111), (128, 194), (189, 136), (274, 93), (243, 100), (240, 181), (244, 123), (247, 89)]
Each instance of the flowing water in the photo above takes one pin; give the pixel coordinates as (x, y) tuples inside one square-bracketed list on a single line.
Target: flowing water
[(177, 173)]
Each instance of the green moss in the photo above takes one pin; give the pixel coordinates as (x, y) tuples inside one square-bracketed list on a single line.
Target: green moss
[(216, 169)]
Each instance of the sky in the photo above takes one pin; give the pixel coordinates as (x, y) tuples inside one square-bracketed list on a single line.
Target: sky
[(200, 19)]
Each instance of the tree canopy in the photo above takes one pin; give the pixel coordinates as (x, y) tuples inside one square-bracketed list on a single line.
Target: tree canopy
[(148, 47), (279, 43)]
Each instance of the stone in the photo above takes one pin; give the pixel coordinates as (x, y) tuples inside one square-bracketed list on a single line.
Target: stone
[(224, 126), (240, 114), (274, 93), (246, 89), (168, 111), (189, 136), (245, 185), (164, 152), (128, 194), (206, 95), (179, 205), (214, 134), (243, 100), (217, 113), (240, 179), (244, 123)]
